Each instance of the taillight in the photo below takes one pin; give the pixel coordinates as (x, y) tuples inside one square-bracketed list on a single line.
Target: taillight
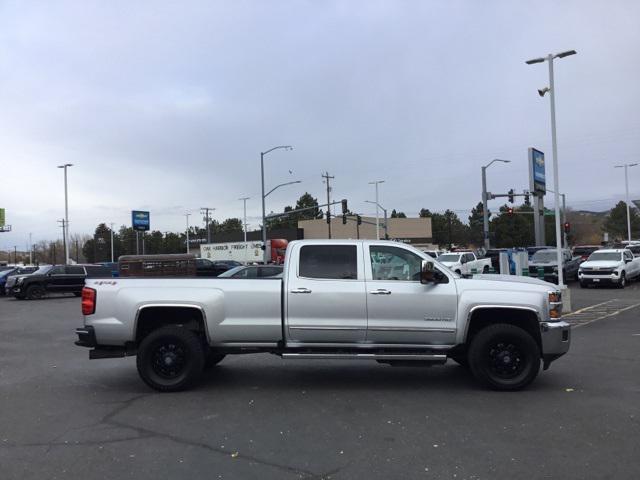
[(88, 301)]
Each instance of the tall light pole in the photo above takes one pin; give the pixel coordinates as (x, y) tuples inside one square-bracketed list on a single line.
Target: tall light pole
[(66, 213), (626, 186), (485, 207), (376, 183), (386, 221), (31, 244), (554, 147), (111, 224), (264, 214), (187, 215)]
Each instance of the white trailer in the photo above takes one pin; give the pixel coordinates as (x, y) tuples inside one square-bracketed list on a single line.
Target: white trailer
[(245, 252)]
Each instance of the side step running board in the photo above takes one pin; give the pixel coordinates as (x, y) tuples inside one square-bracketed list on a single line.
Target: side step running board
[(365, 356)]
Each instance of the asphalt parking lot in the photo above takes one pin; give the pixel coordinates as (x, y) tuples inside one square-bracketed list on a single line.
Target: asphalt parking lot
[(64, 416)]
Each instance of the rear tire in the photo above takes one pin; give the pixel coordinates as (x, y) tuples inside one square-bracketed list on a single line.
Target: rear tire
[(504, 357), (35, 292), (170, 359)]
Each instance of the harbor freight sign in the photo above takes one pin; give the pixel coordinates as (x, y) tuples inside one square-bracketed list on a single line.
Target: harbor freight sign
[(140, 220), (537, 177)]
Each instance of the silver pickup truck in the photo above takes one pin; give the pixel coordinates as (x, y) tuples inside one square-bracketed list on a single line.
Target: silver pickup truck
[(338, 299)]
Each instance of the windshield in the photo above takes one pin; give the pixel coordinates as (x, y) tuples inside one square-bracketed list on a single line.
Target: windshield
[(449, 257), (544, 256), (42, 270), (607, 256)]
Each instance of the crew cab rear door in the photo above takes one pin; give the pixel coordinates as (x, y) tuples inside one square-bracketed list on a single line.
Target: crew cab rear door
[(325, 294), (401, 310)]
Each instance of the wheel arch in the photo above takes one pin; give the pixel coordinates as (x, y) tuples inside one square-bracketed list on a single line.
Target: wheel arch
[(523, 317), (151, 317)]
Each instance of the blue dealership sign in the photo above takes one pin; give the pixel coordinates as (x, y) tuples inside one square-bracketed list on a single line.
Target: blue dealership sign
[(140, 220), (537, 171)]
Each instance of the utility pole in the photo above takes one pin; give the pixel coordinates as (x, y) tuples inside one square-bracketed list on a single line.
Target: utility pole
[(205, 211), (111, 224), (66, 213), (30, 250), (187, 215), (328, 178), (376, 183), (15, 255)]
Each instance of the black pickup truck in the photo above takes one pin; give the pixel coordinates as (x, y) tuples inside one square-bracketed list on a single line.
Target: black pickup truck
[(54, 279)]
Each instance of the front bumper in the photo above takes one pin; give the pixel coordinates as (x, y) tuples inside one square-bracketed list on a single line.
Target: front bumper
[(556, 339), (596, 279)]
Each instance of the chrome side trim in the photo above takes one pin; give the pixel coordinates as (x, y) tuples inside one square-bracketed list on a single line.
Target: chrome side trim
[(412, 329), (367, 346), (363, 356), (325, 328), (172, 305)]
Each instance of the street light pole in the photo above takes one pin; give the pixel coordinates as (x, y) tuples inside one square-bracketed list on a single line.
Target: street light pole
[(264, 213), (485, 207), (66, 213), (187, 215), (244, 226), (376, 183), (554, 148), (386, 221), (111, 224), (626, 186)]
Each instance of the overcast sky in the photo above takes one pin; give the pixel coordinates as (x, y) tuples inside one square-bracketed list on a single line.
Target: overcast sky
[(166, 106)]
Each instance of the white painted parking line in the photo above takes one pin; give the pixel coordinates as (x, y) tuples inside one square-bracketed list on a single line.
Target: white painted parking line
[(607, 309)]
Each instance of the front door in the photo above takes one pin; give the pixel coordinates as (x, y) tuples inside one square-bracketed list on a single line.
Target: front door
[(325, 297), (400, 309)]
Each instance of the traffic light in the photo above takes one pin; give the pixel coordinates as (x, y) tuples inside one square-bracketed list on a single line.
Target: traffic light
[(328, 216), (344, 219), (345, 210), (510, 211), (511, 195), (567, 227), (359, 219), (527, 200)]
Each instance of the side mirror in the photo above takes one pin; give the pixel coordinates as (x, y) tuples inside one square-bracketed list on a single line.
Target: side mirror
[(426, 272)]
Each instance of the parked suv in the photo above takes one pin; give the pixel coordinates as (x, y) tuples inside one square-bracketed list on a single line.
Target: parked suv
[(55, 279)]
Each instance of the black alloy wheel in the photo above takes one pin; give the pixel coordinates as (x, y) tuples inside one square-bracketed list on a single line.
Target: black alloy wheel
[(170, 359), (504, 357)]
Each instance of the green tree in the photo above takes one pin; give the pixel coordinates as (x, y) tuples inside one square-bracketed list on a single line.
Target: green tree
[(616, 222), (291, 221), (447, 229), (395, 214), (513, 230), (230, 225)]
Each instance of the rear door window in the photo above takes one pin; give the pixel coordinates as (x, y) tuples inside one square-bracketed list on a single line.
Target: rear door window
[(74, 270), (339, 262)]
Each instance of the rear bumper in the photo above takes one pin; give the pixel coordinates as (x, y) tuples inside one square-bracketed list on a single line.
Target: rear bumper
[(556, 339), (86, 337)]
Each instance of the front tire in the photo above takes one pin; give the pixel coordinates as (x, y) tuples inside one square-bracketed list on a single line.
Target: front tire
[(504, 357), (35, 292), (170, 359), (623, 280)]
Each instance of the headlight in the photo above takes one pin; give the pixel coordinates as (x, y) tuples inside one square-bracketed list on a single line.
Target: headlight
[(555, 305)]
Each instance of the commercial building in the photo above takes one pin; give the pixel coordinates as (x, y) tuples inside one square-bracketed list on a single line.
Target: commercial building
[(416, 231)]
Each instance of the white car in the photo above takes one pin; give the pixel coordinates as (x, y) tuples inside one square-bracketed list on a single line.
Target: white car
[(611, 266), (465, 263)]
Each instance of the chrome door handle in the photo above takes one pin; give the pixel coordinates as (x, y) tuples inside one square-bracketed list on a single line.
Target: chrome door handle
[(380, 291), (301, 290)]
